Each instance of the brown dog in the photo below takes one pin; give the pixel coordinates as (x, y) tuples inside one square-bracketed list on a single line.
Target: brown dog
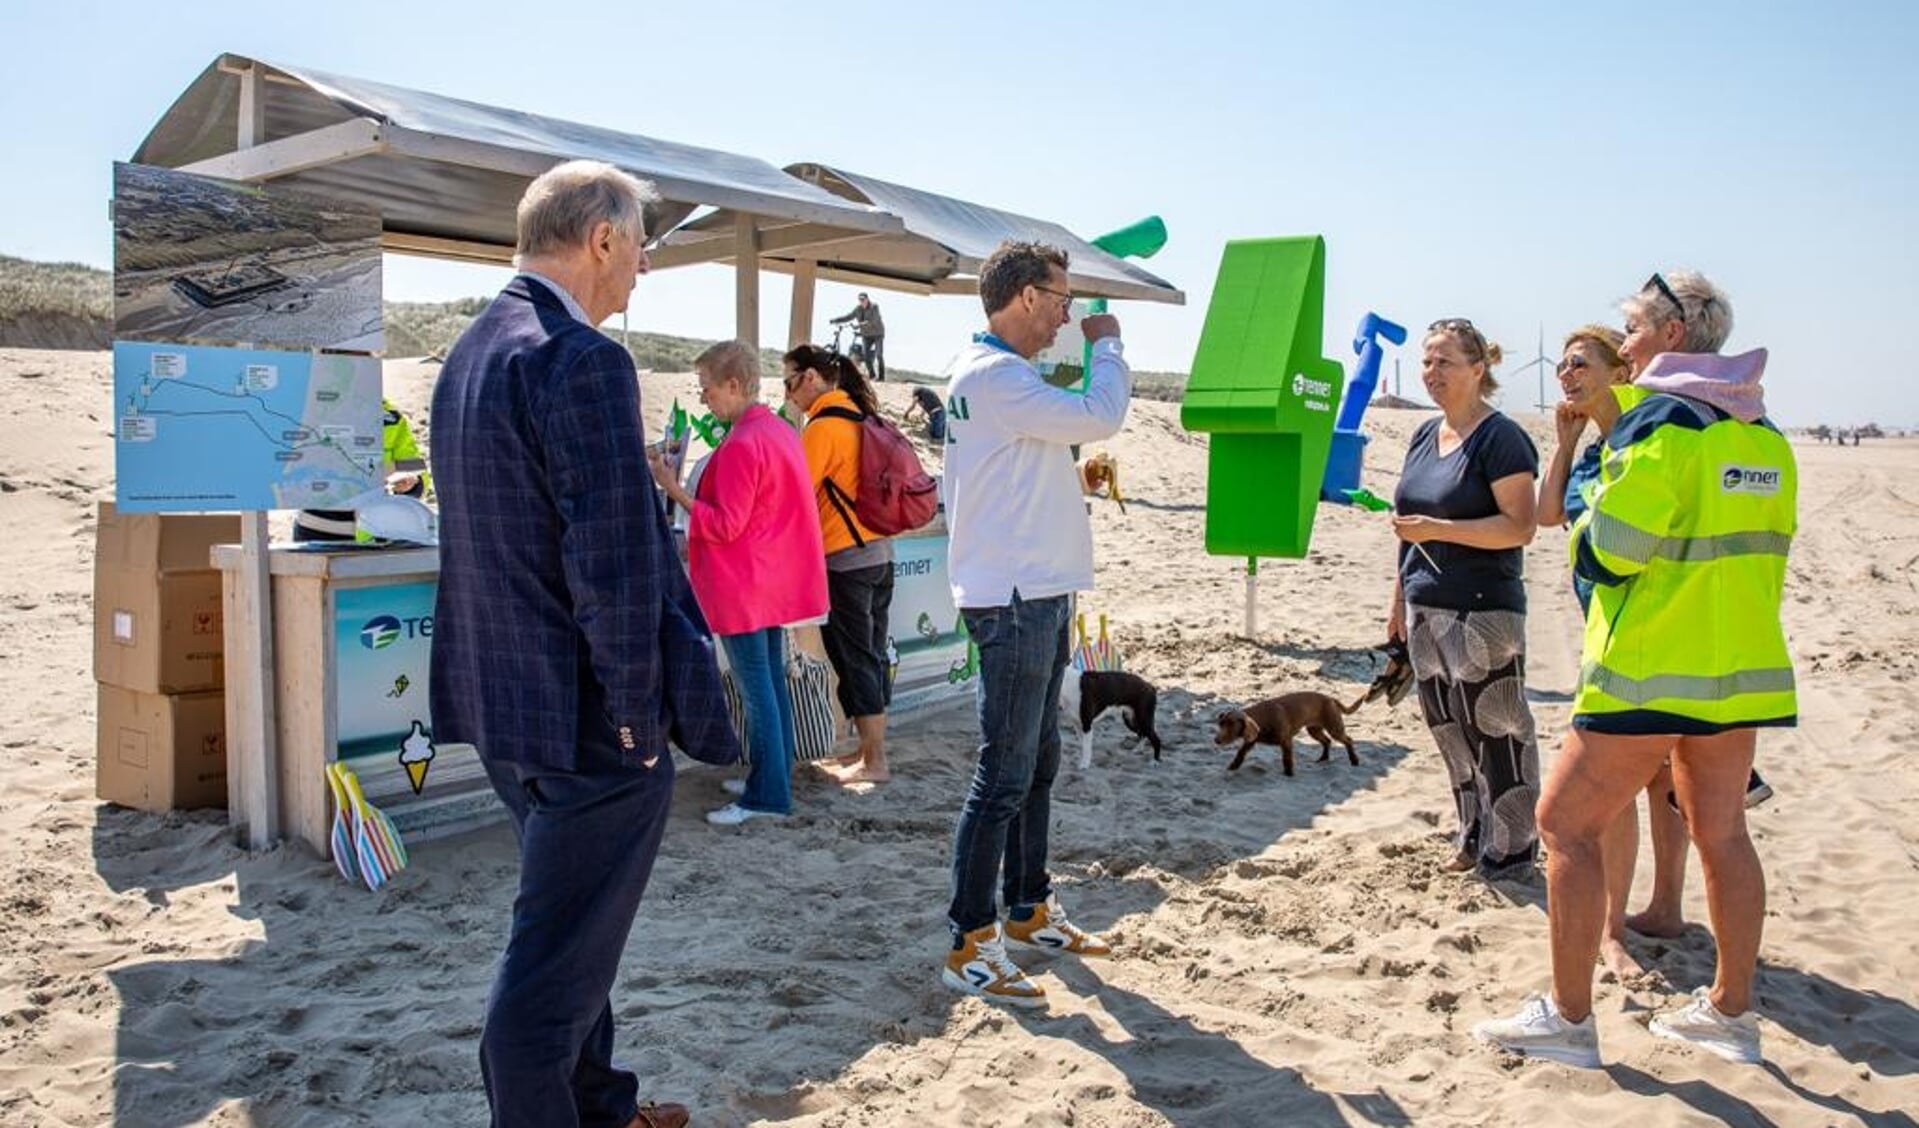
[(1277, 720)]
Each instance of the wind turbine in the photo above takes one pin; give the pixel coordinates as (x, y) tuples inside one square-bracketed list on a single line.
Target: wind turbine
[(1544, 364)]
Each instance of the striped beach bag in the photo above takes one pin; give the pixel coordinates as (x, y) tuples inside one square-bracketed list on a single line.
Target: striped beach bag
[(809, 682)]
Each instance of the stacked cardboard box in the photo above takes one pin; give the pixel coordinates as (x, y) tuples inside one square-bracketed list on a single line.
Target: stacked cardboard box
[(159, 660)]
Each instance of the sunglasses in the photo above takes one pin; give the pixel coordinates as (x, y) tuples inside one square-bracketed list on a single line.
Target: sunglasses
[(1065, 298), (1574, 364), (1658, 283)]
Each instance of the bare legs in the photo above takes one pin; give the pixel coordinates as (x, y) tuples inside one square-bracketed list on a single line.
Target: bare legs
[(1662, 915), (1594, 778), (1711, 772), (1591, 782), (867, 764), (1618, 849)]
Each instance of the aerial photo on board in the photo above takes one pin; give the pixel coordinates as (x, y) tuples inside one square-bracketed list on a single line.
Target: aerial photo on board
[(205, 260)]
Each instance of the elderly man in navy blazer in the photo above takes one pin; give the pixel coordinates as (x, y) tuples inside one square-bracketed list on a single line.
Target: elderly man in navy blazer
[(567, 644)]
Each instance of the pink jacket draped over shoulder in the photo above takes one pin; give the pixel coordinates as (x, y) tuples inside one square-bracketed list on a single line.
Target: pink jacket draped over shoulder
[(753, 540)]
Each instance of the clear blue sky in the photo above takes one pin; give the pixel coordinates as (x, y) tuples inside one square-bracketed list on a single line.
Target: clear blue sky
[(1519, 164)]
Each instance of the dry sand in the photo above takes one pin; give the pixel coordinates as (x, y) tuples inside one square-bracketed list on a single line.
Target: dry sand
[(1289, 953)]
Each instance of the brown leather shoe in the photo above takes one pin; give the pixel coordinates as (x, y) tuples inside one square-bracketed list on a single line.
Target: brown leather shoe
[(650, 1115)]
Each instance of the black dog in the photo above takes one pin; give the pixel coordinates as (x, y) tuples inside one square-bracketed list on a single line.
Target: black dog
[(1086, 697)]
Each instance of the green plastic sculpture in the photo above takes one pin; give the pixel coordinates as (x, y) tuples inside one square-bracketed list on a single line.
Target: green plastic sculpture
[(1262, 389)]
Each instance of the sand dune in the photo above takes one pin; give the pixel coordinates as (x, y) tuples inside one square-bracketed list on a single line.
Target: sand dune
[(1290, 954)]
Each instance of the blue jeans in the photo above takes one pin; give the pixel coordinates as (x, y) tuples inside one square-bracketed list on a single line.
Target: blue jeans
[(758, 662), (1003, 826), (588, 838)]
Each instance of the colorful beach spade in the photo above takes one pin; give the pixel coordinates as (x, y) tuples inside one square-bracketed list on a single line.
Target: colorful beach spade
[(342, 838), (376, 841)]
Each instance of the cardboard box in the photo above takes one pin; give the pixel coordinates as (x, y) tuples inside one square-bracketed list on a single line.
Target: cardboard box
[(162, 752), (156, 600)]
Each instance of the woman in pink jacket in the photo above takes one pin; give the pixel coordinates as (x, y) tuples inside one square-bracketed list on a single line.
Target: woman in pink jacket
[(756, 562)]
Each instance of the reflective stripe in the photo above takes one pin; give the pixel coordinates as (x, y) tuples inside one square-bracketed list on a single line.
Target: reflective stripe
[(1685, 687), (1627, 541)]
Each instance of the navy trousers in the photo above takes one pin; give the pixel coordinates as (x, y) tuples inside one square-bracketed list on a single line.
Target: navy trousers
[(587, 843)]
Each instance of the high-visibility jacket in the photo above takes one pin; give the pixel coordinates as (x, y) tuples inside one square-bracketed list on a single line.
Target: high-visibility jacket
[(400, 450), (1686, 541)]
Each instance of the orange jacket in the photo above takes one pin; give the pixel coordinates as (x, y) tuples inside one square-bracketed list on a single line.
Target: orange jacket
[(833, 451)]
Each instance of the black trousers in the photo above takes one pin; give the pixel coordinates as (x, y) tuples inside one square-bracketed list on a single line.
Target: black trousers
[(855, 637), (587, 843)]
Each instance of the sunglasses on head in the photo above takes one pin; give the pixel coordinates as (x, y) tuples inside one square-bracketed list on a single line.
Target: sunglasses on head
[(1656, 282)]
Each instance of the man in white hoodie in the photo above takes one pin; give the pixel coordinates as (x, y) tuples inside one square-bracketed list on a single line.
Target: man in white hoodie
[(1020, 547)]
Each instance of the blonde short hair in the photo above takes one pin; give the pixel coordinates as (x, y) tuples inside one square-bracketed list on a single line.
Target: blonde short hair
[(734, 362), (1704, 309)]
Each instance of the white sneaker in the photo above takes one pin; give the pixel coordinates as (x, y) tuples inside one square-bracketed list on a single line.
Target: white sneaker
[(1538, 1031), (733, 815), (1733, 1037), (733, 786)]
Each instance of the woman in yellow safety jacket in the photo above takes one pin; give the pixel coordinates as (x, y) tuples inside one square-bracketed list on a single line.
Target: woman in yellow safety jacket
[(1684, 654)]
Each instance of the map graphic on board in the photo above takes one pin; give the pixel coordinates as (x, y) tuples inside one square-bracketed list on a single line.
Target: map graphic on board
[(199, 428)]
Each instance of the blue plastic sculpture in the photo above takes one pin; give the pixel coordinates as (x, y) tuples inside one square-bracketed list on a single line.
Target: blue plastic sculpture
[(1348, 453)]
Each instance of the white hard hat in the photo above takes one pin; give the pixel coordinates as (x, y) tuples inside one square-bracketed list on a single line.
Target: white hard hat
[(386, 518)]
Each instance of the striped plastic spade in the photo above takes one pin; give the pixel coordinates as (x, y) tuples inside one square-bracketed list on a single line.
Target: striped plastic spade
[(376, 842), (342, 841)]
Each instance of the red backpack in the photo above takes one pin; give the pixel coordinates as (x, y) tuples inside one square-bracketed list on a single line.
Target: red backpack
[(896, 494)]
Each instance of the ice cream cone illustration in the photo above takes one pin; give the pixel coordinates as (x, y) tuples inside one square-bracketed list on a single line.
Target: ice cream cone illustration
[(416, 755)]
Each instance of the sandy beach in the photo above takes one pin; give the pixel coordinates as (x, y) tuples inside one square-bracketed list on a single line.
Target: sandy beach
[(1289, 952)]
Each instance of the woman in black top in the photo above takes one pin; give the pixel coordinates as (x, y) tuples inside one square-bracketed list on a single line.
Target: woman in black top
[(1464, 512)]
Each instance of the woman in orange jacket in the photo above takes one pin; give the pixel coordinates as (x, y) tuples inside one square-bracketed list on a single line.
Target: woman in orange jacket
[(859, 562)]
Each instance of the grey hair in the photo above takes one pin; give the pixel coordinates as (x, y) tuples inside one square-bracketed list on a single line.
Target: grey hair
[(735, 362), (563, 204), (1707, 310)]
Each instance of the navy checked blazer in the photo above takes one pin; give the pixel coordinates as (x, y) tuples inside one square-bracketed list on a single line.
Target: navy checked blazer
[(563, 611)]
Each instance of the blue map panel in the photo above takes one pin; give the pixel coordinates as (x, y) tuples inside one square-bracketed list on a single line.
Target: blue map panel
[(198, 428)]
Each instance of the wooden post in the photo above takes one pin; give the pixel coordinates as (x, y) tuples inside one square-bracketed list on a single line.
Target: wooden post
[(1252, 597), (746, 280), (253, 762), (799, 324)]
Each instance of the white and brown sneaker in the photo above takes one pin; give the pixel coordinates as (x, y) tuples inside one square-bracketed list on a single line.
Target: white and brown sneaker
[(1049, 929), (980, 966)]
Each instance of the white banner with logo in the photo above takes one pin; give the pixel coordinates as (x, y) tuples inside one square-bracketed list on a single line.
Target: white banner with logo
[(382, 646)]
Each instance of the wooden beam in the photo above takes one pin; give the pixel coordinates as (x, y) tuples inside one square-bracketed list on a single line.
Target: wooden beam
[(746, 280), (687, 248), (252, 723), (853, 277), (253, 108), (331, 144), (799, 323), (434, 246)]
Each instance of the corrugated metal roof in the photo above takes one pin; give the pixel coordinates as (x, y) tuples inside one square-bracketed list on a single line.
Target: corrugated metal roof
[(944, 243), (450, 169)]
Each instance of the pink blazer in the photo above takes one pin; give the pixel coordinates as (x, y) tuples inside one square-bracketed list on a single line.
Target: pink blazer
[(753, 538)]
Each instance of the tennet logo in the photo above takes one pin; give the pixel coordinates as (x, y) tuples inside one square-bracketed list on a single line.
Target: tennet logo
[(1762, 480), (380, 632), (1303, 387), (383, 631)]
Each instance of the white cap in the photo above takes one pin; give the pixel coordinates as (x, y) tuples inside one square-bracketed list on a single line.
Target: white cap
[(385, 517)]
